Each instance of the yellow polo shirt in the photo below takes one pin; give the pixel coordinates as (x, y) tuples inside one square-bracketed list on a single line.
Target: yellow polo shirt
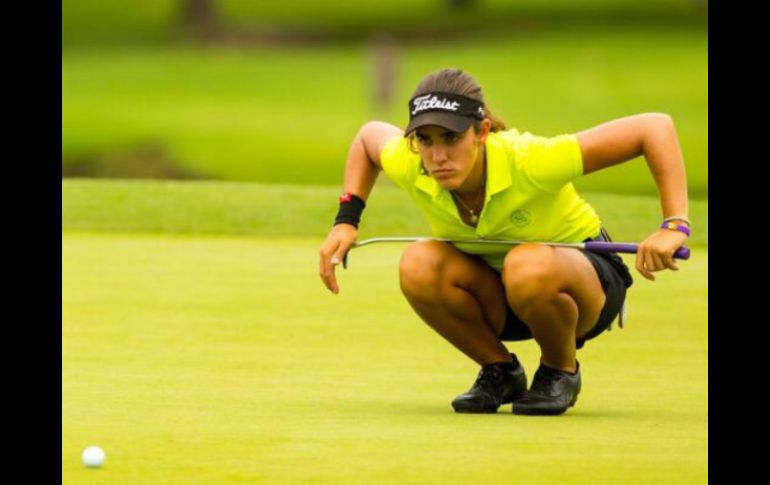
[(529, 193)]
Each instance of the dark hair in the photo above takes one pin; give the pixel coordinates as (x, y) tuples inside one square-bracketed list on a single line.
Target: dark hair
[(458, 82)]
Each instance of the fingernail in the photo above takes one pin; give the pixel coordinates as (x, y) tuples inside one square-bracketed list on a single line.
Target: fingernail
[(335, 260)]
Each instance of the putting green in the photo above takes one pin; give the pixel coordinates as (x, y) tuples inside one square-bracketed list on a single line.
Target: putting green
[(223, 359)]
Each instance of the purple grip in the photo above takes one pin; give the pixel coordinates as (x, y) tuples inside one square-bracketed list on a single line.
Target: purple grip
[(603, 246)]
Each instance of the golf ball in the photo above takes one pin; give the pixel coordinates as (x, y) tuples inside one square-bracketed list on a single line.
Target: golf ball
[(93, 457)]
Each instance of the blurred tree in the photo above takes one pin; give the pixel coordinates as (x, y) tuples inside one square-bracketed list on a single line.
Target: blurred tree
[(382, 48), (201, 19)]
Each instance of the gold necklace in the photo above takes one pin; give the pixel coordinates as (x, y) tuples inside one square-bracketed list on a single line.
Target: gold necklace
[(472, 213), (473, 217)]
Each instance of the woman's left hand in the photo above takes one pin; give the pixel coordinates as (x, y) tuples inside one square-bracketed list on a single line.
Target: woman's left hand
[(657, 252)]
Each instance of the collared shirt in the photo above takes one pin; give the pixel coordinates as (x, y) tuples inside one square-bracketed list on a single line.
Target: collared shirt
[(529, 193)]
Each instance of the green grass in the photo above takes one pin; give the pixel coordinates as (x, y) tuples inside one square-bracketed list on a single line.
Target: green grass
[(354, 19), (210, 352), (94, 22), (285, 210), (195, 359), (86, 23), (288, 115)]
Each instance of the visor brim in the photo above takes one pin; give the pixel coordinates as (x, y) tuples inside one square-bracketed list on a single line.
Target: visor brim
[(450, 121)]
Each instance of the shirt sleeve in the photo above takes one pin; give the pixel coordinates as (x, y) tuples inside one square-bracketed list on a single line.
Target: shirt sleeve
[(551, 163), (395, 159)]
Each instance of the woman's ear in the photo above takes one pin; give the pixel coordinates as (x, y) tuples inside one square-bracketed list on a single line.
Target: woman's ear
[(486, 126)]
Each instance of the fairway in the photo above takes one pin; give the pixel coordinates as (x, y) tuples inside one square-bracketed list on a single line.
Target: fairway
[(223, 359), (235, 115)]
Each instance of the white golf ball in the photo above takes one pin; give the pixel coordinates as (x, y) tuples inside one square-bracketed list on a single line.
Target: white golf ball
[(93, 457)]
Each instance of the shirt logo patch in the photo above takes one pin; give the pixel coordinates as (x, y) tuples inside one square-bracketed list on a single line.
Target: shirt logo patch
[(521, 218)]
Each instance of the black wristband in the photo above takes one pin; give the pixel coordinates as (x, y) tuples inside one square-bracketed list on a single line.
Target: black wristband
[(351, 207)]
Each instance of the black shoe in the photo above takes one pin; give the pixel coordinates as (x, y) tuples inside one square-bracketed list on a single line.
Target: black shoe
[(497, 384), (552, 392)]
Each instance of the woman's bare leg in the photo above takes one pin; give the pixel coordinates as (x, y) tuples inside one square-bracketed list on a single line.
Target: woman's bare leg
[(557, 294), (457, 295)]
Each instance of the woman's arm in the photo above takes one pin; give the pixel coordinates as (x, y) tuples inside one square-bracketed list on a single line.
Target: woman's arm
[(652, 135), (363, 162), (361, 171)]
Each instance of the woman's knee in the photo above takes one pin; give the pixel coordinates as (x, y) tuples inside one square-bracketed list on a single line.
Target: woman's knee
[(529, 274), (422, 267)]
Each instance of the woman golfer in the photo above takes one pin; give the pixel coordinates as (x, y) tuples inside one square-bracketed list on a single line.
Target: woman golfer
[(474, 179)]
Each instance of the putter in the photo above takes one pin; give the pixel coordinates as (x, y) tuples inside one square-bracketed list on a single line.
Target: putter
[(598, 246)]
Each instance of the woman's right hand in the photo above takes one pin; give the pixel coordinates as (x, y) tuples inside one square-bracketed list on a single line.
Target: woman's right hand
[(337, 244)]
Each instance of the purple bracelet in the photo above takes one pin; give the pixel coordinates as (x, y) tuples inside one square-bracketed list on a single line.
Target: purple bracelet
[(676, 227)]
